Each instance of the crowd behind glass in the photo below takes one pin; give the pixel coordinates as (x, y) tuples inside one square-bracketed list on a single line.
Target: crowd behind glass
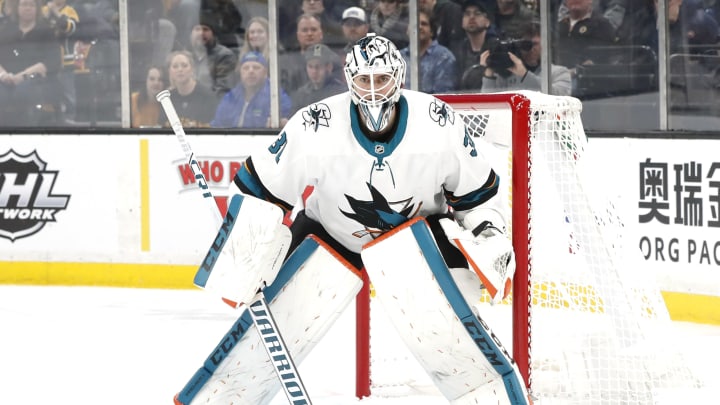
[(60, 60)]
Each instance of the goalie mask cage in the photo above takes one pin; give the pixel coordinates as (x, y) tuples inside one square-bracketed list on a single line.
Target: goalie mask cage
[(589, 326)]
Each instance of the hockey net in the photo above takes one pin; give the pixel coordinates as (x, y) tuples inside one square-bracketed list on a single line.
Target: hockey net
[(588, 323)]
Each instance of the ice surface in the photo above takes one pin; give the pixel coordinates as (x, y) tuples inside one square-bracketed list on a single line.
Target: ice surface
[(91, 345)]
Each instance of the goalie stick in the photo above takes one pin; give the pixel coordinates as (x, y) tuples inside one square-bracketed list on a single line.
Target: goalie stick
[(259, 303)]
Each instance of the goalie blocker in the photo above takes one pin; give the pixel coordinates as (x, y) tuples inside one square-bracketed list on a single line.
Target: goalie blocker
[(241, 262)]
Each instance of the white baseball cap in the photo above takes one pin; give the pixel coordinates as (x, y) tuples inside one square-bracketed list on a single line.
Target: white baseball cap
[(354, 12)]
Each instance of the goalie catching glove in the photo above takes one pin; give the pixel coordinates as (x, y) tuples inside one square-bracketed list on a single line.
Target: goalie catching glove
[(488, 251)]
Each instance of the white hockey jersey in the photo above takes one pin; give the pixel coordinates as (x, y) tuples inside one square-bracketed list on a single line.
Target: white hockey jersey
[(364, 188)]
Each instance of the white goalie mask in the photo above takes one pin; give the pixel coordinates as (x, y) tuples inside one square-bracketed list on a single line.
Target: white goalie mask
[(375, 73)]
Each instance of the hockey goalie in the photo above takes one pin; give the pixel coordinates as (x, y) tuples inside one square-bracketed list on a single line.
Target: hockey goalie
[(400, 191)]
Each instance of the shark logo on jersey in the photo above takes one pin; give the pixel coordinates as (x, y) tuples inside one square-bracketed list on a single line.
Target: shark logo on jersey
[(316, 115), (378, 215), (441, 113)]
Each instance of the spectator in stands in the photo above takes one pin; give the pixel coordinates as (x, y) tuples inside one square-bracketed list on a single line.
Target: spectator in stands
[(510, 18), (6, 10), (309, 32), (390, 19), (525, 71), (288, 10), (173, 12), (446, 15), (694, 65), (97, 74), (30, 59), (712, 7), (639, 26), (354, 25), (691, 28), (478, 34), (227, 17), (104, 13), (195, 103), (151, 37), (329, 11), (247, 105), (323, 82), (257, 37), (332, 27), (166, 35), (62, 17), (438, 68), (614, 10), (64, 20), (335, 8), (583, 37), (214, 62), (144, 107), (292, 64)]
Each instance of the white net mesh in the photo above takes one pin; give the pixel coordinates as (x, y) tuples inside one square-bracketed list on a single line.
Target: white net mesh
[(599, 328)]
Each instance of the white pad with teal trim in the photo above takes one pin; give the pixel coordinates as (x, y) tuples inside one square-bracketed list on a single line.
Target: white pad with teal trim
[(455, 347), (247, 252), (310, 292)]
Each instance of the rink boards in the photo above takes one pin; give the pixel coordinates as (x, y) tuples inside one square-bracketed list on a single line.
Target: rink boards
[(124, 210)]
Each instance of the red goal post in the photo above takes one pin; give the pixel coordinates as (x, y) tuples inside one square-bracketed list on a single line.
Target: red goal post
[(586, 316), (520, 124)]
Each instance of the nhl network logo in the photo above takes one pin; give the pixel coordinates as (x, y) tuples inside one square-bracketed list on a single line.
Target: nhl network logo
[(26, 199)]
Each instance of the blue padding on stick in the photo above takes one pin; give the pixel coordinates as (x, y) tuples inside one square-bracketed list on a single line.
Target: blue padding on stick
[(203, 273)]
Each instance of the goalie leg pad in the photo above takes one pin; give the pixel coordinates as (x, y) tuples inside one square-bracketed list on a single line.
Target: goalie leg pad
[(418, 293), (238, 370), (247, 252)]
